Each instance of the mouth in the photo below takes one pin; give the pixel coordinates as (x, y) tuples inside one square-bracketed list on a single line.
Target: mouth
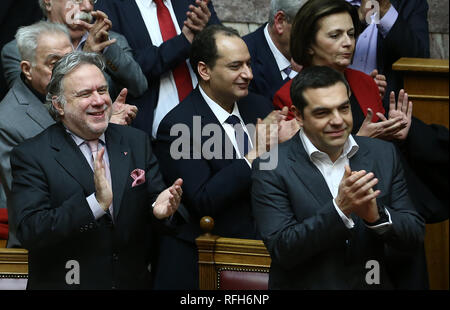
[(347, 55), (242, 86), (336, 133), (97, 115)]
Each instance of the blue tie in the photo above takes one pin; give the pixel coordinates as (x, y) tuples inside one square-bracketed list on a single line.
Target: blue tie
[(240, 134)]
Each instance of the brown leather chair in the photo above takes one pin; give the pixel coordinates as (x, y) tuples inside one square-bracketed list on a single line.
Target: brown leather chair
[(231, 263)]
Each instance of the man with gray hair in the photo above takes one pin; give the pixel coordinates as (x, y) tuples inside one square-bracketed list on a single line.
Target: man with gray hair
[(269, 48), (122, 70), (23, 113), (87, 194)]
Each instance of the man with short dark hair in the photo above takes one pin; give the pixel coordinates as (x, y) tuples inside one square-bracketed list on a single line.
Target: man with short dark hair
[(334, 201), (86, 194), (213, 124)]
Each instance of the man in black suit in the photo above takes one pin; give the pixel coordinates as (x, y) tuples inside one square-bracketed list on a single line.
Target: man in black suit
[(269, 48), (86, 195), (334, 201), (159, 57), (196, 141)]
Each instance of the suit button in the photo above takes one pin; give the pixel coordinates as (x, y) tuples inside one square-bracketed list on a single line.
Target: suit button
[(81, 229), (115, 257), (91, 225)]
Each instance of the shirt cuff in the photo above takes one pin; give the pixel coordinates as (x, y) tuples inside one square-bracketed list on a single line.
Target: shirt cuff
[(383, 227), (95, 206), (348, 222), (388, 21)]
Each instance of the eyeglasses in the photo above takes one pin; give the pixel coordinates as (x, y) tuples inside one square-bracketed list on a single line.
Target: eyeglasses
[(81, 1)]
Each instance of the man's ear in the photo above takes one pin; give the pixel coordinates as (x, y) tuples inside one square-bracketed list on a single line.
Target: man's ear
[(279, 22), (57, 105), (204, 71), (297, 114), (26, 68)]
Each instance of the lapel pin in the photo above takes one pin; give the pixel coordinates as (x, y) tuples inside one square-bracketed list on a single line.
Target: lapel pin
[(125, 153)]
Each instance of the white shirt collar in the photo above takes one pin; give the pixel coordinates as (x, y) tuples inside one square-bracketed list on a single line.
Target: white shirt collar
[(221, 114), (78, 140), (282, 61), (350, 146)]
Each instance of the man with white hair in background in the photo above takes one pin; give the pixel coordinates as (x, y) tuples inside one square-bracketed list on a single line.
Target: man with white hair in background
[(121, 68), (23, 113)]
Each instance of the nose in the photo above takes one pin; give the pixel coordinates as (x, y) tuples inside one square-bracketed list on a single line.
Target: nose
[(336, 119), (86, 6), (348, 41), (97, 99), (246, 72)]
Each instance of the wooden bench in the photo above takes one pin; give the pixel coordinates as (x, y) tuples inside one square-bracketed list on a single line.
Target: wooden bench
[(231, 263)]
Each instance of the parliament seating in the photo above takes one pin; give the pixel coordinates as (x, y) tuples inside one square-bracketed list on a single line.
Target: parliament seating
[(231, 263)]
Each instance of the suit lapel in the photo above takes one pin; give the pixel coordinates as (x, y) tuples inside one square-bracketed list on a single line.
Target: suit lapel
[(69, 156), (139, 31), (35, 109), (266, 62), (119, 161), (361, 161), (208, 117), (180, 8), (308, 173)]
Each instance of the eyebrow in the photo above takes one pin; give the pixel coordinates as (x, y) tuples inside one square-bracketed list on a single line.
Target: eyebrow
[(319, 109), (53, 56), (89, 90)]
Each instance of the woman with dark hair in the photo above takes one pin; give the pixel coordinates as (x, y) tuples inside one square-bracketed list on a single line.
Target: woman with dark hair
[(324, 33)]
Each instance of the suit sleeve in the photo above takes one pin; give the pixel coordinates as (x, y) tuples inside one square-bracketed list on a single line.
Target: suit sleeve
[(11, 62), (408, 227), (38, 223), (155, 60), (122, 67), (291, 241), (209, 192)]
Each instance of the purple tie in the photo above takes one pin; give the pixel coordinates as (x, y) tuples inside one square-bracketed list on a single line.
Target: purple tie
[(93, 145)]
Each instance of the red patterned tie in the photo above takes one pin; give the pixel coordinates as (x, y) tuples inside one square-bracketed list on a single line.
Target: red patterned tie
[(180, 72)]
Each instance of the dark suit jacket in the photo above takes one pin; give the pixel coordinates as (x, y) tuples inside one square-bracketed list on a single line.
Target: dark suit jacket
[(215, 187), (51, 180), (266, 74), (409, 37), (309, 244), (154, 61)]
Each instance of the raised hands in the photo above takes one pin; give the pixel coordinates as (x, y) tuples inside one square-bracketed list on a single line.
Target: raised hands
[(402, 109), (98, 38), (356, 195), (168, 201), (197, 19), (380, 80), (103, 191), (385, 129), (123, 113)]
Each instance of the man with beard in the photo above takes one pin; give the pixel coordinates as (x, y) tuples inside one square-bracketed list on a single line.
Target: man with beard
[(122, 70)]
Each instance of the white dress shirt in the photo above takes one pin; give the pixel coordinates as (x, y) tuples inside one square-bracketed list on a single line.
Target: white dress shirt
[(282, 62), (168, 93), (333, 173), (222, 116)]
